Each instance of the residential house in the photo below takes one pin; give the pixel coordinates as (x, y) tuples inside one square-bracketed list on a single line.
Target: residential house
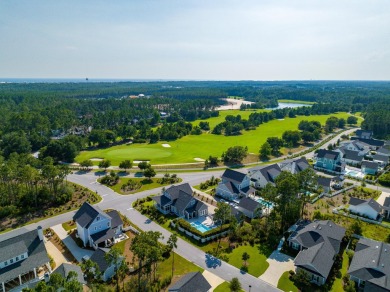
[(370, 167), (65, 268), (370, 265), (97, 228), (367, 208), (324, 182), (261, 176), (294, 166), (329, 161), (364, 134), (191, 282), (234, 185), (106, 268), (250, 208), (382, 160), (179, 201), (383, 151), (373, 144), (338, 182), (386, 208), (23, 260), (236, 213), (350, 157), (357, 146), (318, 243)]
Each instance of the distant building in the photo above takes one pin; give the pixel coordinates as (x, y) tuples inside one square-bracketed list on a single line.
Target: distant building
[(364, 134), (350, 157), (318, 243), (191, 282), (294, 166), (65, 268), (373, 144), (23, 260), (368, 208), (179, 201), (370, 265), (97, 228), (234, 185), (324, 182), (383, 151), (382, 160)]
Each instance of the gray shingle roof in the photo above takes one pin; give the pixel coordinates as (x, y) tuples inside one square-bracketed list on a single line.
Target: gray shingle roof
[(383, 151), (174, 191), (12, 250), (382, 158), (387, 202), (248, 204), (191, 282), (371, 142), (37, 255), (294, 165), (116, 219), (324, 181), (99, 257), (233, 176), (322, 153), (370, 164), (371, 263), (65, 268), (370, 202), (162, 200), (103, 235), (86, 214), (322, 241), (352, 155), (270, 172)]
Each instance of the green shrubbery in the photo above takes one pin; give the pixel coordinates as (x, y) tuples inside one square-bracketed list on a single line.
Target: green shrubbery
[(111, 179), (384, 179)]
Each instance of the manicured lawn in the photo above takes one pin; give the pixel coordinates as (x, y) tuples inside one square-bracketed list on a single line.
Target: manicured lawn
[(286, 284), (223, 287), (69, 225), (257, 263), (146, 185), (338, 283), (186, 149), (182, 266)]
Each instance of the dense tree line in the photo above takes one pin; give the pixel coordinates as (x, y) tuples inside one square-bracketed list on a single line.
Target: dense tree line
[(377, 119)]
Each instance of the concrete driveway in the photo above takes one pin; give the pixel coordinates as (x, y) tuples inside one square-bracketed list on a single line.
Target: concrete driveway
[(213, 280), (278, 264), (382, 197), (57, 256), (77, 251)]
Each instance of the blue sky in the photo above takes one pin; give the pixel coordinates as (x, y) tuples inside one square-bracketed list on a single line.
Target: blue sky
[(203, 39)]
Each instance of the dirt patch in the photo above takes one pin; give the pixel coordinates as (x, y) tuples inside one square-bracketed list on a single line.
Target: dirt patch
[(57, 242)]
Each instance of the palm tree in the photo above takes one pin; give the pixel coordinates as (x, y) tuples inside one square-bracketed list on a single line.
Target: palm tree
[(172, 243)]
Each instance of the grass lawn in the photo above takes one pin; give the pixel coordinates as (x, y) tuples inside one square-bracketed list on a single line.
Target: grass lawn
[(146, 185), (286, 284), (182, 266), (257, 263), (186, 149), (69, 225), (338, 283), (223, 287)]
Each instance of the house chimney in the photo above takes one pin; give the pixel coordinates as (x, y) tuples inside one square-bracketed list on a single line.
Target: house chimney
[(40, 233)]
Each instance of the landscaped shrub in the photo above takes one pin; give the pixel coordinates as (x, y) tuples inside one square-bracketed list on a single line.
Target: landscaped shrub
[(384, 179), (131, 185)]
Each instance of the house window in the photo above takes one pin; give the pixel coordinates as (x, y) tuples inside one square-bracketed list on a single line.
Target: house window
[(95, 228), (11, 261), (17, 258), (295, 245), (97, 218), (315, 278), (22, 256), (108, 224), (6, 263)]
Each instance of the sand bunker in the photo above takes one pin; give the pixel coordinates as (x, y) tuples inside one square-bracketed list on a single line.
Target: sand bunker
[(96, 159), (198, 159), (138, 161), (280, 119), (166, 145)]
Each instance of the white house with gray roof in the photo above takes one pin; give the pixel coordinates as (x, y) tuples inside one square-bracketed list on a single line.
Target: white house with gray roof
[(263, 175), (367, 208), (106, 268), (382, 160), (370, 265), (234, 185), (250, 208), (179, 201), (97, 228), (318, 243), (23, 260)]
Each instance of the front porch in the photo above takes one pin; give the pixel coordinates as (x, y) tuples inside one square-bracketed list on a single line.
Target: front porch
[(23, 279), (106, 238)]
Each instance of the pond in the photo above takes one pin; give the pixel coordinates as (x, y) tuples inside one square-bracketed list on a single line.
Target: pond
[(289, 104)]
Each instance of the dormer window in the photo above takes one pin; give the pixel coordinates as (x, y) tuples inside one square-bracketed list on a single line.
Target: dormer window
[(22, 256), (6, 263), (11, 261), (17, 258)]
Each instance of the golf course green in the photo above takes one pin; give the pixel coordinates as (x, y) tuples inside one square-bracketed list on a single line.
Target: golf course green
[(192, 148)]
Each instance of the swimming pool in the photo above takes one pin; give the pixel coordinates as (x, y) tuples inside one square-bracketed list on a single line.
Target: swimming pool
[(265, 203), (354, 173), (201, 227)]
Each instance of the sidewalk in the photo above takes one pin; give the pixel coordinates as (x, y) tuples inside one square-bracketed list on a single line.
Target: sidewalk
[(77, 251)]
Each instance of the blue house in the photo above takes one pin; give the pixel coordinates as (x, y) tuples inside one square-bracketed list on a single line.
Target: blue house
[(369, 167), (329, 161)]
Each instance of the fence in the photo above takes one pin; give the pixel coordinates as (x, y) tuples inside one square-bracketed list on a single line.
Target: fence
[(131, 228), (336, 211), (198, 238)]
